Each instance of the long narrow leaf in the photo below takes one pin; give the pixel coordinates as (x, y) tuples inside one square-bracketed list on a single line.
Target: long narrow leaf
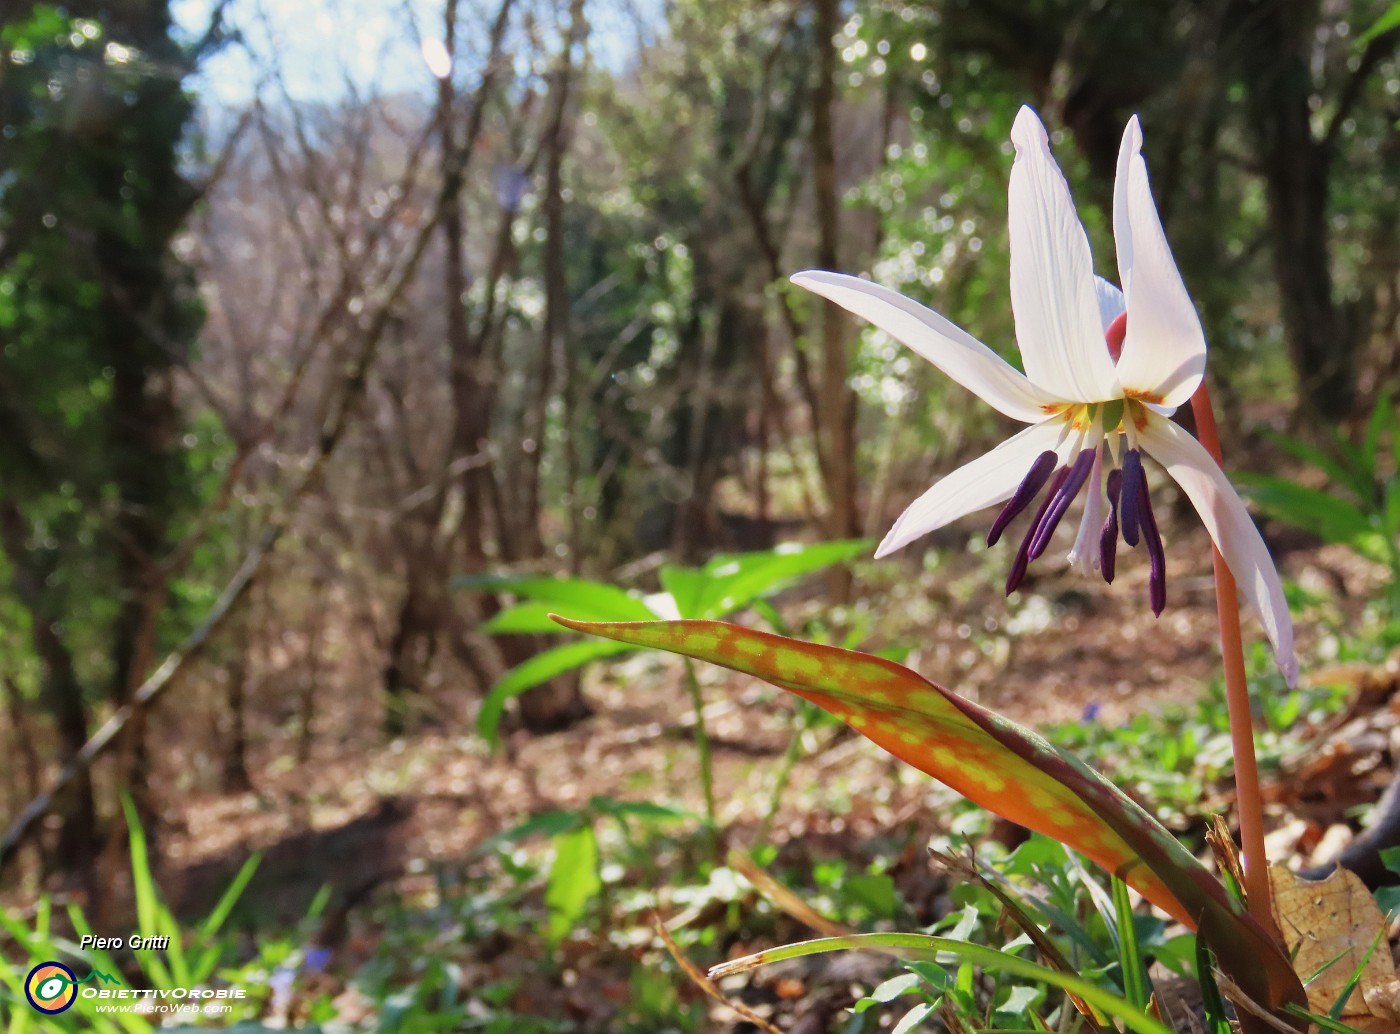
[(1330, 518), (998, 764), (924, 946), (1135, 985), (540, 668), (733, 582), (589, 597), (148, 903)]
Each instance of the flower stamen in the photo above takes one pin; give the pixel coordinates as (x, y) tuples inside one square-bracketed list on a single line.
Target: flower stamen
[(1133, 497), (1023, 559), (1156, 556), (1108, 538), (1030, 487), (1064, 494)]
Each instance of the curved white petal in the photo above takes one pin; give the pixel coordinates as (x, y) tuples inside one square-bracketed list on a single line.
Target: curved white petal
[(987, 480), (1164, 353), (950, 348), (1229, 524), (1111, 304), (1052, 277)]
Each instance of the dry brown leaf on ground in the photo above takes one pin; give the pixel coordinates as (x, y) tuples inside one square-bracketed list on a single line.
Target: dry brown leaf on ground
[(1329, 927)]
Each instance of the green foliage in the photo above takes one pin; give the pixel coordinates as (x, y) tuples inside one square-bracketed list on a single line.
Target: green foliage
[(189, 960), (575, 878), (1175, 754), (725, 584), (940, 954), (1359, 505), (1389, 20)]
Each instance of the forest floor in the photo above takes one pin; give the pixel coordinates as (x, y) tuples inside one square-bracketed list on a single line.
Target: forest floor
[(399, 815), (1041, 659)]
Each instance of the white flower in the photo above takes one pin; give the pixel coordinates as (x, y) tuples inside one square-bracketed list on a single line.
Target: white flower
[(1105, 369)]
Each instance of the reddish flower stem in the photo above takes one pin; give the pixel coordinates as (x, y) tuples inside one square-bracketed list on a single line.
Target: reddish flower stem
[(1248, 799)]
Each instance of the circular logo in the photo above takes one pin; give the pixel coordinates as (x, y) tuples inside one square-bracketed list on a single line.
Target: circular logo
[(51, 987)]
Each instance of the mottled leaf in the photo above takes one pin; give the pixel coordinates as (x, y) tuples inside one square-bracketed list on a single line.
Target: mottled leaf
[(998, 764)]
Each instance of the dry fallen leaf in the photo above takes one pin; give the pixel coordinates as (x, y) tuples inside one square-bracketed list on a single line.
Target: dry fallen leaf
[(1329, 926)]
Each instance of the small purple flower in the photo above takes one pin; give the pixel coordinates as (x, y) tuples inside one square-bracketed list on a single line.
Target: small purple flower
[(1090, 712), (281, 982)]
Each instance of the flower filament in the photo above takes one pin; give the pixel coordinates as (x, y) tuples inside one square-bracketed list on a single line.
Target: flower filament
[(1108, 460)]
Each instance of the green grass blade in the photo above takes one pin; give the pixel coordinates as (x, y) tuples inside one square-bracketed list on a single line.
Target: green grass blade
[(220, 913), (1135, 985), (149, 919), (923, 946), (1335, 1013)]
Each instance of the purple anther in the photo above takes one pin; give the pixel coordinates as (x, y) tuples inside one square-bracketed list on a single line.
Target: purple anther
[(1157, 559), (1108, 538), (1035, 480), (1060, 499), (1023, 558), (1134, 497)]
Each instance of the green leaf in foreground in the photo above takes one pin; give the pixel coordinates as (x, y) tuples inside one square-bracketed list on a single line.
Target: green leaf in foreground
[(1002, 766), (573, 880)]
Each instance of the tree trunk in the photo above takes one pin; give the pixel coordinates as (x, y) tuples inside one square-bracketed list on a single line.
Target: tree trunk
[(235, 766), (61, 692), (411, 649), (472, 374), (1323, 344), (836, 421), (553, 354)]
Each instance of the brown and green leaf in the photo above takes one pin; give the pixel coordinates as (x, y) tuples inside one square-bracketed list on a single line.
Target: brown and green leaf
[(998, 764)]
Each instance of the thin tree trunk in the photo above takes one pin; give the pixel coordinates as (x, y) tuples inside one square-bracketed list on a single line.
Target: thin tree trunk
[(235, 767), (836, 419), (556, 287), (1324, 334), (23, 739), (472, 370), (62, 695)]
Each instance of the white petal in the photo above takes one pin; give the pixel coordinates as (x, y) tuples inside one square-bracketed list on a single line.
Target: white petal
[(1164, 354), (1085, 554), (950, 348), (1229, 524), (1052, 277), (1111, 304), (987, 480)]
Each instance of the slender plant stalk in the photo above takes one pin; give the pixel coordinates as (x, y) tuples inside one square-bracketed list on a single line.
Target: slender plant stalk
[(794, 751), (702, 748), (1249, 800)]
